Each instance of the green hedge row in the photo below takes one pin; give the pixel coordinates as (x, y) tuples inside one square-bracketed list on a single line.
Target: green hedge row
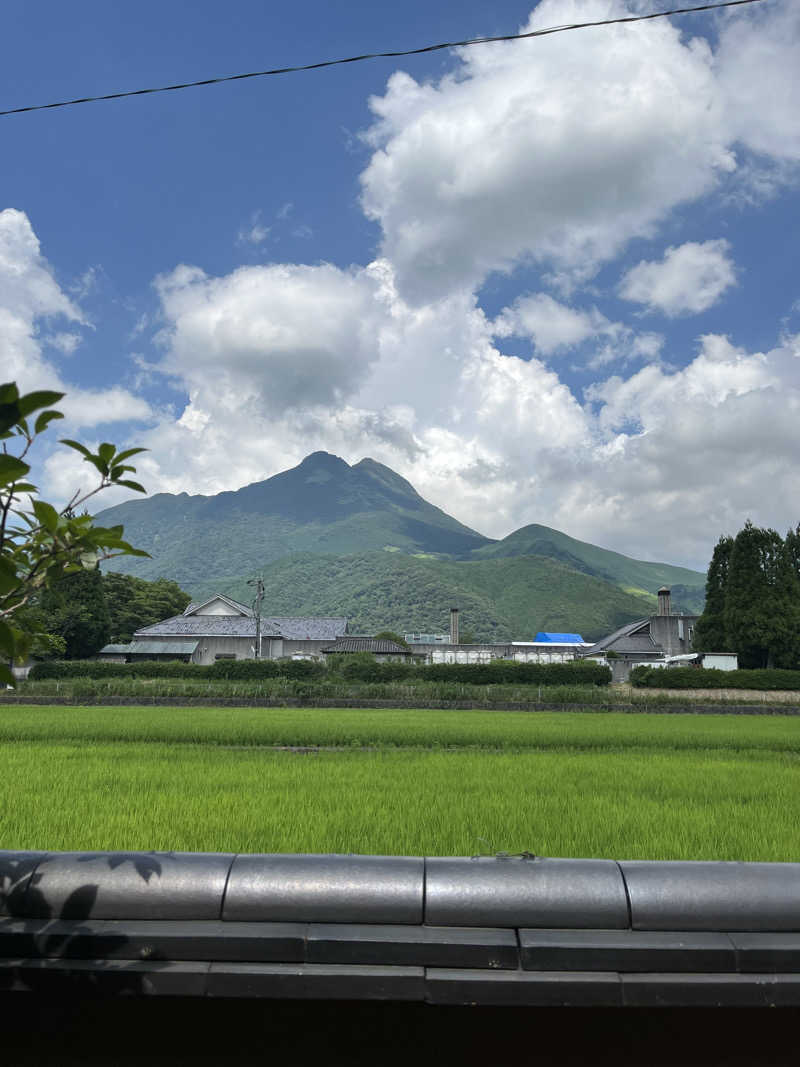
[(223, 668), (494, 673), (699, 678), (240, 669), (353, 669)]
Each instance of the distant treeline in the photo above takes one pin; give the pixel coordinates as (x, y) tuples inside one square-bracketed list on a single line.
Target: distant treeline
[(354, 668)]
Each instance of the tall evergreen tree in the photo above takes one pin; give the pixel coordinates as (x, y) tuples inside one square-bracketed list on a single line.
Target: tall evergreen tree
[(710, 634), (786, 648), (752, 603), (792, 547)]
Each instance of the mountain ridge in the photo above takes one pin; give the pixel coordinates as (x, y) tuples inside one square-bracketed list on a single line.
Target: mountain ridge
[(325, 509)]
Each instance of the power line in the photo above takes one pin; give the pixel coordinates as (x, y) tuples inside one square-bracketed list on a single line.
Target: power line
[(376, 55)]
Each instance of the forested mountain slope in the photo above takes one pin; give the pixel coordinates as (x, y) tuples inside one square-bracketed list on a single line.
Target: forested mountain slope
[(499, 600)]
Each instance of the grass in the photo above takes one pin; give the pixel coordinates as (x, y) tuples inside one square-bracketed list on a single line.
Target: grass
[(153, 691), (404, 782), (361, 727)]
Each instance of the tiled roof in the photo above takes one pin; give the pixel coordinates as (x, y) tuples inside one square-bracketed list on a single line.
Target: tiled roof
[(292, 628), (367, 644), (516, 931)]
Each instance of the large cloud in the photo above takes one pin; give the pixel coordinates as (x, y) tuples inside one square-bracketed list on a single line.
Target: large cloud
[(559, 151), (277, 337)]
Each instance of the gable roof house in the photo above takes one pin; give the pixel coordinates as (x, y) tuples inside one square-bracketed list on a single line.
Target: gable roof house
[(222, 628)]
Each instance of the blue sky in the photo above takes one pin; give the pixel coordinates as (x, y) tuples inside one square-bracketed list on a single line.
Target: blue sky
[(548, 281)]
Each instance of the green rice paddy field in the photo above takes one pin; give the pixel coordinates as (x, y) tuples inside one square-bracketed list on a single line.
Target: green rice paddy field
[(400, 782)]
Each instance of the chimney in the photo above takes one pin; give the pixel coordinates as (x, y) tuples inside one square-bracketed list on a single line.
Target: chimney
[(663, 601), (453, 626)]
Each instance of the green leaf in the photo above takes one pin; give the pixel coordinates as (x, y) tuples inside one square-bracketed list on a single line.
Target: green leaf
[(8, 576), (44, 418), (106, 452), (7, 639), (44, 398), (11, 469), (46, 514), (120, 456), (131, 551), (9, 393), (24, 487), (76, 445), (6, 677), (131, 485)]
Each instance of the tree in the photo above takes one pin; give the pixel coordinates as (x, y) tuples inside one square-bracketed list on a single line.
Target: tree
[(134, 602), (786, 604), (75, 610), (40, 544), (753, 600), (390, 635), (710, 634)]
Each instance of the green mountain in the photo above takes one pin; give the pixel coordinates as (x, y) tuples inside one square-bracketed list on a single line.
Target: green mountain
[(499, 599), (322, 506), (359, 540), (631, 575)]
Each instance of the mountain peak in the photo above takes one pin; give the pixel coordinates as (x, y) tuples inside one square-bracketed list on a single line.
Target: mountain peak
[(326, 460)]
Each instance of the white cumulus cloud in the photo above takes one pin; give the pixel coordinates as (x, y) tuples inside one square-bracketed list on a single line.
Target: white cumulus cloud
[(688, 280), (558, 153)]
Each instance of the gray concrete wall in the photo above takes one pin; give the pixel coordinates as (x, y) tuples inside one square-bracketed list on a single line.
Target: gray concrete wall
[(210, 647), (665, 630)]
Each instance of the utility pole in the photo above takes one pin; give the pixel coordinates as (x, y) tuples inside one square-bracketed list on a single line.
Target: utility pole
[(259, 584)]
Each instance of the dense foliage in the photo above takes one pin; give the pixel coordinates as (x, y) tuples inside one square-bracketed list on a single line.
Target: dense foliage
[(74, 608), (132, 603), (692, 678), (354, 668), (753, 599), (40, 544)]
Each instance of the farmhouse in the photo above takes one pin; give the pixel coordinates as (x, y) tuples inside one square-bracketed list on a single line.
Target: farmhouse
[(222, 628)]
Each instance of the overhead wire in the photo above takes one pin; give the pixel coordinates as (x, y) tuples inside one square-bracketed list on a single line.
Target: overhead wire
[(376, 55)]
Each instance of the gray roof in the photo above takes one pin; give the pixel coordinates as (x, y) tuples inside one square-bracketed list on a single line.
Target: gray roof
[(292, 628), (625, 639), (367, 644), (163, 648)]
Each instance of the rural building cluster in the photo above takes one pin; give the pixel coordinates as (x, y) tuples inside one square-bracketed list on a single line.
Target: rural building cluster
[(223, 628)]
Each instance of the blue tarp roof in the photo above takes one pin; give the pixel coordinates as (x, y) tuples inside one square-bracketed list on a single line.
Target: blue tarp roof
[(559, 639)]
